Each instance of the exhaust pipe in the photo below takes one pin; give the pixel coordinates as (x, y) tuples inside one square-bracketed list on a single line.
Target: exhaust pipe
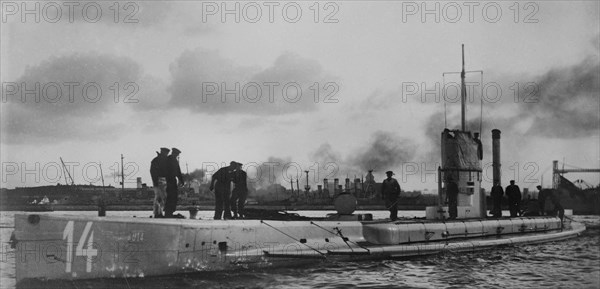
[(496, 156)]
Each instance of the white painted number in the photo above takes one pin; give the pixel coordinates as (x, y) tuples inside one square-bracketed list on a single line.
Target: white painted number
[(89, 251), (68, 233)]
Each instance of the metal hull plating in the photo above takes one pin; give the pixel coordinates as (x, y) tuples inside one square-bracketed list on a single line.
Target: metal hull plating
[(76, 247)]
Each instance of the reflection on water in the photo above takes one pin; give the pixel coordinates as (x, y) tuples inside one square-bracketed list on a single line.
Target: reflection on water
[(573, 263)]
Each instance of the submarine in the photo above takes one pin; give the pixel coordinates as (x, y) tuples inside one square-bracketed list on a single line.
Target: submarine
[(51, 246)]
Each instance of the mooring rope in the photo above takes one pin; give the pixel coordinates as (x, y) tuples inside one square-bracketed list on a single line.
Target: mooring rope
[(291, 237), (339, 232)]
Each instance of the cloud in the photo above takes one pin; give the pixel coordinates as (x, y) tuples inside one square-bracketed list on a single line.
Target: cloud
[(275, 170), (66, 97), (561, 103), (205, 82), (152, 94), (568, 104), (121, 14), (383, 151)]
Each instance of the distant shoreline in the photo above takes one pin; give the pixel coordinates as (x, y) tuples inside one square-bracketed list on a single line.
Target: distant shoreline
[(304, 207)]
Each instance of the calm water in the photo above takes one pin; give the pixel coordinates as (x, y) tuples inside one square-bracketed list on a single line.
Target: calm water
[(573, 263)]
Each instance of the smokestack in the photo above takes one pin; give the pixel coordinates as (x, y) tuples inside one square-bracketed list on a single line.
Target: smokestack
[(336, 183), (320, 190), (139, 182), (496, 156)]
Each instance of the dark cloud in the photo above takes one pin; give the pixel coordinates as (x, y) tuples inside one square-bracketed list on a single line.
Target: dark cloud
[(568, 104), (561, 103), (68, 97), (202, 79), (385, 151), (275, 170), (326, 154)]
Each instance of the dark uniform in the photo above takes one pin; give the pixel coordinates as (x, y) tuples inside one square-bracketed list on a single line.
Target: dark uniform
[(497, 193), (390, 190), (452, 196), (558, 211), (514, 199), (159, 169), (543, 195), (239, 193), (479, 146), (174, 173), (223, 177)]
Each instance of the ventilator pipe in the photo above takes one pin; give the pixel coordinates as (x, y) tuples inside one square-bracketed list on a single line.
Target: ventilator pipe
[(496, 156)]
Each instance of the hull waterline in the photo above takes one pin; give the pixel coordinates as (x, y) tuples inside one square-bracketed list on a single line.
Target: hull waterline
[(50, 247)]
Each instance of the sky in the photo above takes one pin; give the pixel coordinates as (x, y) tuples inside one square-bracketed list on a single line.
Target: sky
[(332, 88)]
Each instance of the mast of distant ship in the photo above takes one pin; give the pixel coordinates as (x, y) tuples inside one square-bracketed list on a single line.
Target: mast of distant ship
[(68, 173), (463, 91), (122, 175)]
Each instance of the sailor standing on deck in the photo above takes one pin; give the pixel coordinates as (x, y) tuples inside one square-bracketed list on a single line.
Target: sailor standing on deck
[(390, 191), (497, 193), (158, 172), (513, 192), (174, 173), (543, 195), (479, 146), (452, 198), (223, 178), (240, 192)]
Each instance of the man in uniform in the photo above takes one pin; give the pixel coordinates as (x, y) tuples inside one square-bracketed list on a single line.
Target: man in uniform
[(174, 173), (158, 172), (543, 195), (223, 178), (497, 193), (390, 190), (513, 192), (452, 198), (240, 192), (479, 146)]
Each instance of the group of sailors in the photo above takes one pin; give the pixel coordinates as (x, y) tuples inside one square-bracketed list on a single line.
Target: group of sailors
[(531, 207), (390, 191), (221, 182), (165, 173), (167, 177), (229, 204)]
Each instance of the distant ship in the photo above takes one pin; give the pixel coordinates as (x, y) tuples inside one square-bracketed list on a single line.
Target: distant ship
[(581, 201)]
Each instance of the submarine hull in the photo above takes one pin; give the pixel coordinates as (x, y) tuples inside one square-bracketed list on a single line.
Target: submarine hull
[(51, 247)]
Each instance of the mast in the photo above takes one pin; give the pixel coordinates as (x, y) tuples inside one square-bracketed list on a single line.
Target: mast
[(122, 175), (463, 92), (68, 173), (102, 200)]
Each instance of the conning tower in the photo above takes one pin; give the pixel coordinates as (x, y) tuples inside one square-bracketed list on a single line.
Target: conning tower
[(460, 151)]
